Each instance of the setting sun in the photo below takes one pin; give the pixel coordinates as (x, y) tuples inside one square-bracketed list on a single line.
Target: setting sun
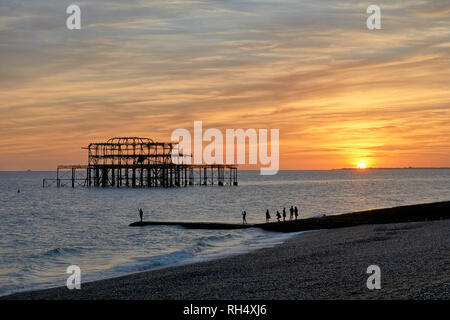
[(362, 166)]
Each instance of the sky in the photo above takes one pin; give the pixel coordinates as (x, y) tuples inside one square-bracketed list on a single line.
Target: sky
[(339, 93)]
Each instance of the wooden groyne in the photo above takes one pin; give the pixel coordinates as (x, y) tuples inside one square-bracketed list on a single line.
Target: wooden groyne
[(194, 225), (410, 213)]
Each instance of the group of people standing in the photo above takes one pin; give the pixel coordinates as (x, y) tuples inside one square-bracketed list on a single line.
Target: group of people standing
[(293, 215)]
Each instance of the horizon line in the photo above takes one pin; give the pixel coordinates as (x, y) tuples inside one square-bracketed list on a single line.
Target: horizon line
[(332, 169)]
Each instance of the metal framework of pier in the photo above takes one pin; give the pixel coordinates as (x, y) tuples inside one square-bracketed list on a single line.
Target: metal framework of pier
[(139, 162)]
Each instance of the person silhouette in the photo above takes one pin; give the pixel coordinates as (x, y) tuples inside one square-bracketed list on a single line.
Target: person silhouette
[(278, 216), (244, 215), (291, 211), (296, 212), (284, 214), (267, 216), (141, 213)]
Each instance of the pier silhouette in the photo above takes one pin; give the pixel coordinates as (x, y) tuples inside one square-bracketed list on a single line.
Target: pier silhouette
[(140, 162)]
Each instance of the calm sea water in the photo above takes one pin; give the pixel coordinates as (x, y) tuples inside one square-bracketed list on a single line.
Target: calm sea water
[(44, 230)]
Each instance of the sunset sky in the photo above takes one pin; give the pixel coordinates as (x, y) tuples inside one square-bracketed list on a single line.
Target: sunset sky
[(339, 93)]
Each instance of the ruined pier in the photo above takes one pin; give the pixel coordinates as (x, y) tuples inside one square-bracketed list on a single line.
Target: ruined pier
[(139, 162)]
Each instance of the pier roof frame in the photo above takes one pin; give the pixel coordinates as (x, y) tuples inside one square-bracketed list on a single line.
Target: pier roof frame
[(131, 151)]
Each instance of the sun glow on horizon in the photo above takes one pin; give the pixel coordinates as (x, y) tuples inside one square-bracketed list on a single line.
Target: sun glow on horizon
[(361, 166)]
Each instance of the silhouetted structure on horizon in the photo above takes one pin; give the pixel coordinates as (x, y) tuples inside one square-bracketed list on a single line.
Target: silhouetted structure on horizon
[(139, 162)]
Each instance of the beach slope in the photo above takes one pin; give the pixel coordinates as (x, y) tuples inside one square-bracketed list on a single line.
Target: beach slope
[(414, 259)]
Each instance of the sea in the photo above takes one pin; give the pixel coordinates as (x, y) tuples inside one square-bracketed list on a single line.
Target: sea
[(43, 231)]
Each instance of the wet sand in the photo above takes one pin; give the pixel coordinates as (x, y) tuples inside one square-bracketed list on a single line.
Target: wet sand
[(328, 264)]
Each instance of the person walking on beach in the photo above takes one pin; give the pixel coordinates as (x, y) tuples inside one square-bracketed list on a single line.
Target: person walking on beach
[(296, 212), (244, 215), (284, 214), (278, 216), (267, 216), (291, 211), (141, 213)]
